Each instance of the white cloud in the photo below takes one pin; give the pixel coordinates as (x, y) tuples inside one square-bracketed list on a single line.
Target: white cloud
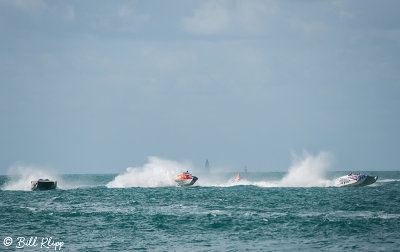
[(222, 17), (69, 14), (128, 12), (166, 59), (210, 18), (253, 16), (340, 5), (307, 27), (32, 7), (345, 14), (125, 11)]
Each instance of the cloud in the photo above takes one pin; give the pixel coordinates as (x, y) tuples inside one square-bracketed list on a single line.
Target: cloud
[(254, 16), (128, 12), (307, 27), (338, 3), (69, 14), (125, 11), (210, 18), (345, 14), (32, 7), (237, 17), (340, 6)]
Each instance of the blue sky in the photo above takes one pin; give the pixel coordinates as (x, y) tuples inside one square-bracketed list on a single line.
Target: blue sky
[(97, 86)]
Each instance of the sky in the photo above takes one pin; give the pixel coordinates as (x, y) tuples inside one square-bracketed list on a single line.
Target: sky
[(98, 86)]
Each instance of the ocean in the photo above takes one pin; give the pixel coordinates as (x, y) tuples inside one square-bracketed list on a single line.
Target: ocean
[(263, 212)]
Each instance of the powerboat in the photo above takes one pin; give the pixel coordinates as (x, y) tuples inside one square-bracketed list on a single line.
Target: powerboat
[(185, 179), (356, 180), (238, 177), (43, 184)]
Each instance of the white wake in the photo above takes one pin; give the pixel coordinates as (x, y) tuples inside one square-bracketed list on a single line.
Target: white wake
[(21, 176), (306, 171), (156, 173)]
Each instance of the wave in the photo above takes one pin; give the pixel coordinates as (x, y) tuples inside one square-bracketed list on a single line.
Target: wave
[(156, 173)]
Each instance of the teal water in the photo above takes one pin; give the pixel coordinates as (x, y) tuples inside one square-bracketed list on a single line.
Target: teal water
[(86, 215)]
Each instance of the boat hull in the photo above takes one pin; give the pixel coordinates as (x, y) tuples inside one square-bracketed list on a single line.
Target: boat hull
[(186, 182), (43, 185)]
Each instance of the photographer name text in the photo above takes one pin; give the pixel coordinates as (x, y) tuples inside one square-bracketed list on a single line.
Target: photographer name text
[(33, 241)]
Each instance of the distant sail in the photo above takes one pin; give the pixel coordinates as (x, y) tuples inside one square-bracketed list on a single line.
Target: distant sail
[(207, 165), (245, 169)]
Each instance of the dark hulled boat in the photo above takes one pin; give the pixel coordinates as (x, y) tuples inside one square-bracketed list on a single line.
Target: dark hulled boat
[(43, 184)]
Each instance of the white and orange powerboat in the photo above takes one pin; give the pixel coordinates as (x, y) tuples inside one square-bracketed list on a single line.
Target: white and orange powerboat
[(185, 179)]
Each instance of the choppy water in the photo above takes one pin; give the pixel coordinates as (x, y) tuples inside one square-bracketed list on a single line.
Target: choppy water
[(258, 214)]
